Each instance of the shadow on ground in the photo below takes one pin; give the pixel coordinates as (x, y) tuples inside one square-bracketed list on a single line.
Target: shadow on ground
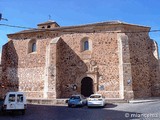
[(47, 112)]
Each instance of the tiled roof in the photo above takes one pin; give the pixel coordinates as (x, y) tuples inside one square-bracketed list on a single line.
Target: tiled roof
[(48, 22), (117, 22)]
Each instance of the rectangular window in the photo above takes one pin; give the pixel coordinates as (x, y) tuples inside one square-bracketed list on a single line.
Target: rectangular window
[(19, 98), (12, 98)]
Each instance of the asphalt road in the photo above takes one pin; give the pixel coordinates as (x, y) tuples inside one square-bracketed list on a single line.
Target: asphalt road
[(121, 111)]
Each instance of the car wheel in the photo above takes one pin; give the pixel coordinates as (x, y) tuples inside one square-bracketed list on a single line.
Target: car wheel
[(89, 106), (3, 112), (23, 112), (12, 112), (69, 105)]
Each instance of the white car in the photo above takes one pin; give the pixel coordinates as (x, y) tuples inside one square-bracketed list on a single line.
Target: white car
[(14, 101), (96, 100)]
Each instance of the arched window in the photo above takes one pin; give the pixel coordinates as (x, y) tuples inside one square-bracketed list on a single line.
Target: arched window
[(86, 45), (33, 47)]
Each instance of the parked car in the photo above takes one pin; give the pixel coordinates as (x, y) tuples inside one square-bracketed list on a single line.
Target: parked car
[(96, 100), (14, 101), (77, 100)]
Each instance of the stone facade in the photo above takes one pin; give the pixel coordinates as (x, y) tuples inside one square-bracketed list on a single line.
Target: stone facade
[(120, 60)]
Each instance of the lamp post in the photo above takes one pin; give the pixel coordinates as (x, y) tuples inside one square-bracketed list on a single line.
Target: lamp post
[(1, 18)]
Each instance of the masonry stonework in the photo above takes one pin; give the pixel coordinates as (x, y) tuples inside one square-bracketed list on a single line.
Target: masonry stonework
[(121, 60)]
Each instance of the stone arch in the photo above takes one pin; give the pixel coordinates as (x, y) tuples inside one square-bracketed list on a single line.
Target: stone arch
[(87, 86), (92, 76), (78, 80)]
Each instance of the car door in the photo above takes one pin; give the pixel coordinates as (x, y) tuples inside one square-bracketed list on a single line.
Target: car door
[(11, 102), (20, 101)]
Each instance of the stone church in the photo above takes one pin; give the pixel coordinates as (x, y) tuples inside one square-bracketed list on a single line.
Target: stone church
[(116, 59)]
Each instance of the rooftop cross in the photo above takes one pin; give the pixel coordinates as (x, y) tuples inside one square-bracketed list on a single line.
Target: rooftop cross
[(49, 16)]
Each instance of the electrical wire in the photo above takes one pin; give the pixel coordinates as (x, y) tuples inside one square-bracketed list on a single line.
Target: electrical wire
[(14, 26)]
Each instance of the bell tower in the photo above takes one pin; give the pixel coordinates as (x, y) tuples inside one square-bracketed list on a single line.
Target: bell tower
[(48, 25)]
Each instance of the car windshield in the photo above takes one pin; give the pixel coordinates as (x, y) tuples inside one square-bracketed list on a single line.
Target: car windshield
[(95, 96), (75, 97)]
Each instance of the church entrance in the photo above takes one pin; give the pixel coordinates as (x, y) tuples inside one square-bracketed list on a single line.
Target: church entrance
[(87, 86)]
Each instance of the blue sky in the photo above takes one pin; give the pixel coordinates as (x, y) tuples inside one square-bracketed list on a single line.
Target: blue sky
[(29, 13)]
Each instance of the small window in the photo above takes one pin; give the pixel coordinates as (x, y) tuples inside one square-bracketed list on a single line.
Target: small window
[(12, 98), (86, 45), (34, 47), (20, 98), (48, 26)]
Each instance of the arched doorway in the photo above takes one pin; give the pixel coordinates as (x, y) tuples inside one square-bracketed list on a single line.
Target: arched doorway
[(87, 86)]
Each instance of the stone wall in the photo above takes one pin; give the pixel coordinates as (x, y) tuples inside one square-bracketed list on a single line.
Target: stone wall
[(9, 79), (154, 69), (125, 73), (73, 64), (31, 81), (121, 65), (24, 69), (142, 62)]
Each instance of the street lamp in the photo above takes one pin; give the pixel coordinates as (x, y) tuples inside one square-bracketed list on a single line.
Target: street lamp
[(74, 87), (1, 18)]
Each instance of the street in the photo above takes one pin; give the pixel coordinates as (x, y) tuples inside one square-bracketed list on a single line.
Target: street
[(119, 111)]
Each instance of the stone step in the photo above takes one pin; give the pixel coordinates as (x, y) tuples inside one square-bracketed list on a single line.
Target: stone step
[(114, 100), (46, 101)]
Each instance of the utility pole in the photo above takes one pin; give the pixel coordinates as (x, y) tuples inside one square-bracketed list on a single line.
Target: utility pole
[(1, 18)]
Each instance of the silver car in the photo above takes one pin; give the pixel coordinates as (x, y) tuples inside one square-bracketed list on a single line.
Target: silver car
[(77, 100), (96, 100)]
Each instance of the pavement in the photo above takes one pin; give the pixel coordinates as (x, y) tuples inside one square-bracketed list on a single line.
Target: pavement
[(144, 100), (63, 101)]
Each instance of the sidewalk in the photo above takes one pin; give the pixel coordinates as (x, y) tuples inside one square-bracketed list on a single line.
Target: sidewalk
[(46, 101), (144, 100)]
